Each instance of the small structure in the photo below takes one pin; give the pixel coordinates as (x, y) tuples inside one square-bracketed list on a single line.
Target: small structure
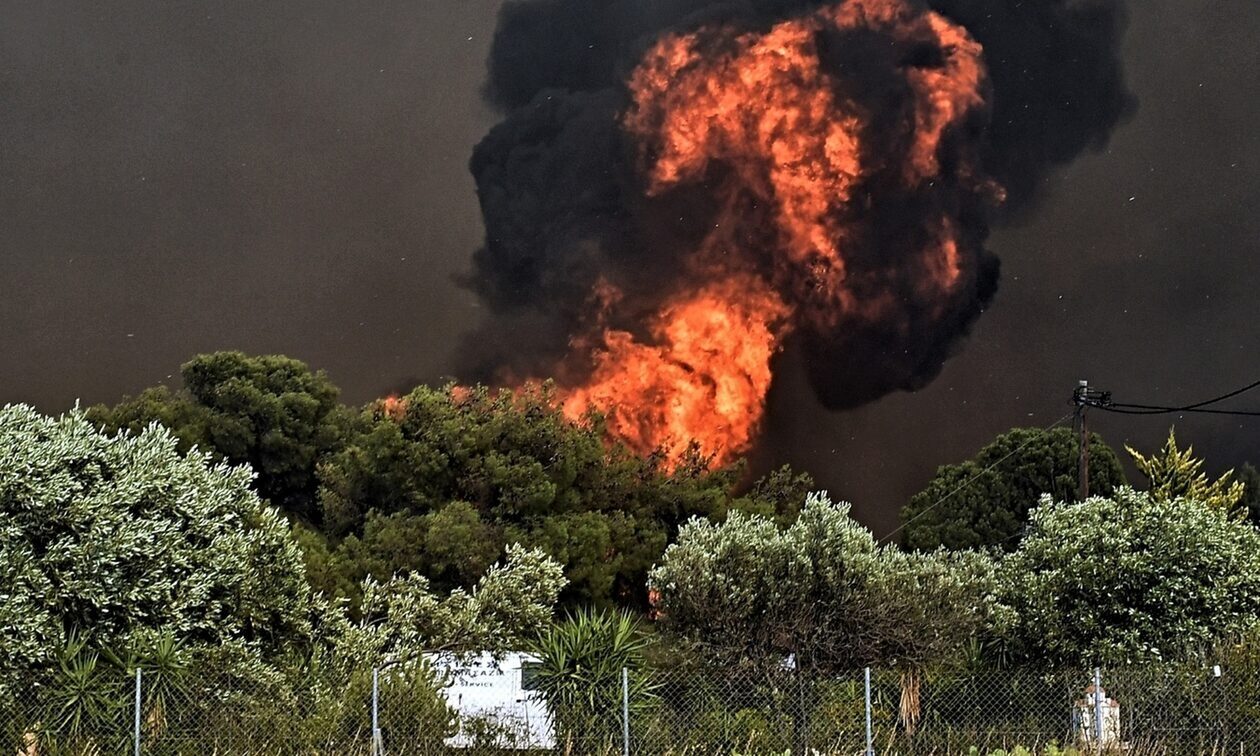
[(1085, 715), (495, 700)]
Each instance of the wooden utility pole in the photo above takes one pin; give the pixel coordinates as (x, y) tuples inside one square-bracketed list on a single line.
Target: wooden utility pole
[(1085, 397), (1081, 397)]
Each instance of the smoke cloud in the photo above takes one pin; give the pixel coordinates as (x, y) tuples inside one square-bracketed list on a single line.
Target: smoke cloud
[(619, 202)]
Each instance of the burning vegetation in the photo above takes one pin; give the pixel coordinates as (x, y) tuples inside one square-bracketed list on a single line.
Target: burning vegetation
[(702, 196)]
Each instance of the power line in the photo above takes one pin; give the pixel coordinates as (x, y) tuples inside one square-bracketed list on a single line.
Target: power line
[(1231, 394), (977, 476), (1104, 403), (1143, 409)]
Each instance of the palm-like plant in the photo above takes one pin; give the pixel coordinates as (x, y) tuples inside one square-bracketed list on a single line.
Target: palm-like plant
[(579, 673), (165, 665), (85, 701), (89, 696)]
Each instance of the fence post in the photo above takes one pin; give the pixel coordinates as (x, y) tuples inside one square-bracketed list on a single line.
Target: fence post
[(625, 712), (376, 723), (1098, 709), (870, 736), (137, 725)]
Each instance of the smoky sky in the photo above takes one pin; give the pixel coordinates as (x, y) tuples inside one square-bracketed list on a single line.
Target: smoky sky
[(177, 177), (564, 208)]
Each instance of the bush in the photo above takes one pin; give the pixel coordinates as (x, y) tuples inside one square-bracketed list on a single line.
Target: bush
[(121, 536), (1130, 579)]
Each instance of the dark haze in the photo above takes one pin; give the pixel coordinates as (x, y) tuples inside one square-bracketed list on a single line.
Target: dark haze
[(177, 177), (564, 205)]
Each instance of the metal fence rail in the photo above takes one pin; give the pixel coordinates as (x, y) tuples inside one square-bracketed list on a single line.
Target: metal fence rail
[(1155, 710)]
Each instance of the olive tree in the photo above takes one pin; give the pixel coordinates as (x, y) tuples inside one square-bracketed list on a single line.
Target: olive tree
[(115, 536), (821, 590), (1129, 578)]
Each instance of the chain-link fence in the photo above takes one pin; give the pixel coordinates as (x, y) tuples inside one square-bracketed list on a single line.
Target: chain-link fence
[(1150, 710)]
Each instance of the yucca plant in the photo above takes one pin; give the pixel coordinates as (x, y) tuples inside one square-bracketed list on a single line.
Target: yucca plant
[(86, 701), (581, 659)]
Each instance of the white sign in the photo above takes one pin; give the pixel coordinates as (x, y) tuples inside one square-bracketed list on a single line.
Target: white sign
[(494, 701)]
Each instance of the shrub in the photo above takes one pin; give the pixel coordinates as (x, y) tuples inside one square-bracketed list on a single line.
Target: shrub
[(1131, 578)]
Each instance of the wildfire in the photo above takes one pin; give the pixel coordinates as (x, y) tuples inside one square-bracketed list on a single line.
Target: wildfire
[(704, 379), (762, 121)]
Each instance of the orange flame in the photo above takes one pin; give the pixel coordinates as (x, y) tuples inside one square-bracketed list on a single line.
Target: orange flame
[(763, 106), (394, 407), (705, 379)]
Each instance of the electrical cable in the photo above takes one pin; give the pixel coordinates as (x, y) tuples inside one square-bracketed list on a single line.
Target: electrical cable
[(1143, 409), (1230, 395), (1122, 408)]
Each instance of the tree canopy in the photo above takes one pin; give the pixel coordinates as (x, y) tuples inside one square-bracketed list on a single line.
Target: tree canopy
[(114, 535), (403, 617), (821, 590), (439, 480), (984, 501), (1133, 577), (271, 412), (1249, 476)]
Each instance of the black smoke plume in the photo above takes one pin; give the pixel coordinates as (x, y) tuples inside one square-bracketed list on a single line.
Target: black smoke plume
[(565, 207)]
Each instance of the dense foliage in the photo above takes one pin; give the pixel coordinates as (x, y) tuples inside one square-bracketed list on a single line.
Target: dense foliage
[(1249, 477), (405, 506), (511, 603), (984, 502), (118, 552), (1130, 578), (455, 519), (580, 675), (270, 412), (440, 481), (115, 535), (820, 590)]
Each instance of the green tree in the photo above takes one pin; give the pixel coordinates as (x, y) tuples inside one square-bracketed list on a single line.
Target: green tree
[(821, 590), (270, 412), (439, 480), (1173, 473), (321, 704), (117, 551), (1249, 476), (177, 411), (404, 617), (1130, 578), (119, 535), (984, 502), (779, 494), (452, 547)]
